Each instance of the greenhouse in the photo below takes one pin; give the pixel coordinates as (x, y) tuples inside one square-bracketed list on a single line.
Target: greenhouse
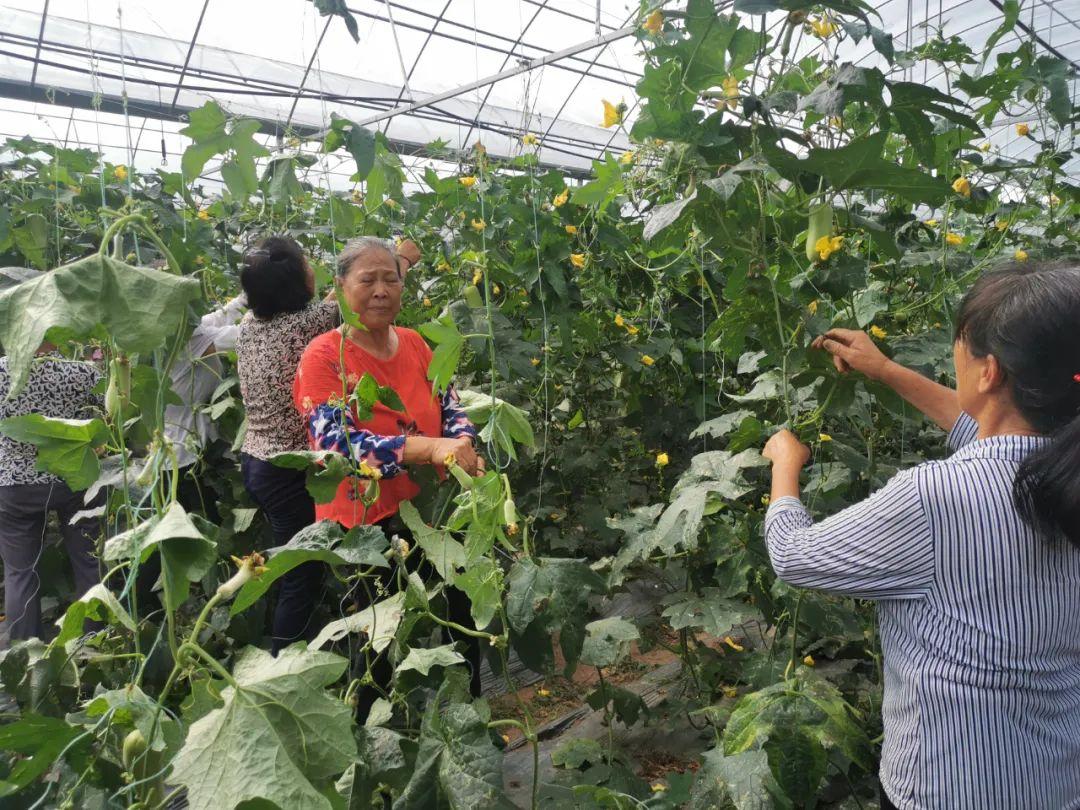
[(540, 403)]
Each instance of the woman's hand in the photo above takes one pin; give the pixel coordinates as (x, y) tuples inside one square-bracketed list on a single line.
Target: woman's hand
[(465, 455), (788, 456), (851, 349), (407, 250), (786, 451)]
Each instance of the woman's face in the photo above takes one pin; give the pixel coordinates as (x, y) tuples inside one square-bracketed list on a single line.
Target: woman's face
[(373, 287)]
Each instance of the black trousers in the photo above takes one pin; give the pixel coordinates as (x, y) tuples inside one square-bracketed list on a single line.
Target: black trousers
[(283, 497), (24, 510), (884, 800)]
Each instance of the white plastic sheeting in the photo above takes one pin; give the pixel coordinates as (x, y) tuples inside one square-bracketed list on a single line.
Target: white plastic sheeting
[(278, 60)]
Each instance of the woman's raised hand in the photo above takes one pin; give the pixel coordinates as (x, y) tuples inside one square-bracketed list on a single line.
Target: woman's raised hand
[(851, 349), (408, 250)]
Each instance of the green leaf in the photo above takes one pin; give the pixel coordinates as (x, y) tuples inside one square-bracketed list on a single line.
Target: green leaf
[(607, 641), (607, 185), (339, 8), (744, 780), (422, 660), (41, 739), (359, 142), (65, 447), (506, 426), (136, 306), (575, 753), (456, 763), (97, 603), (664, 216), (379, 621), (277, 733), (440, 548), (869, 303), (707, 609), (323, 542), (32, 240), (186, 554), (448, 344), (482, 582)]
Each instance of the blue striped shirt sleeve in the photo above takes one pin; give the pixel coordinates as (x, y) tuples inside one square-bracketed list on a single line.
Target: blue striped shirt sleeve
[(964, 431), (881, 548)]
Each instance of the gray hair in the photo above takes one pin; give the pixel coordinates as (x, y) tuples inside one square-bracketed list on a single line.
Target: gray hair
[(357, 247)]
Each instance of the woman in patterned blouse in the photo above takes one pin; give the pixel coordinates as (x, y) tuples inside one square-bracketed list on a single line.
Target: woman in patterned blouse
[(428, 429), (284, 317), (974, 561)]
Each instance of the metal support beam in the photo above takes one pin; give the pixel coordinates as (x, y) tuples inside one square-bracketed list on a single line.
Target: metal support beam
[(307, 70), (40, 37), (190, 50), (498, 77)]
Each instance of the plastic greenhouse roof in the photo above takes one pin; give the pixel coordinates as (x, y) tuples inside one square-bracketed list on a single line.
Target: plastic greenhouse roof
[(67, 65)]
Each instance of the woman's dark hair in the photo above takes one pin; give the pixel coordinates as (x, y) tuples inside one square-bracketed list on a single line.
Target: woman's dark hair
[(274, 277), (1028, 317)]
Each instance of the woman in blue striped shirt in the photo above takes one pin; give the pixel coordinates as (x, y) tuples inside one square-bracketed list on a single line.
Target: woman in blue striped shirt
[(974, 561)]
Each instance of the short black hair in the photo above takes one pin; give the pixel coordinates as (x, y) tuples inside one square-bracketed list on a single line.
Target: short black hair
[(274, 277), (1025, 315)]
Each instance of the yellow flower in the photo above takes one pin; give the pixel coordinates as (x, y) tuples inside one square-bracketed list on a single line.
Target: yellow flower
[(932, 223), (824, 437), (631, 329), (836, 122), (878, 332), (477, 277), (561, 198), (812, 307), (427, 302), (809, 660), (506, 738), (120, 173), (496, 289), (961, 185), (542, 692), (535, 361), (619, 321), (1054, 199), (367, 471), (443, 266), (730, 86), (736, 647), (654, 23), (658, 787), (612, 115), (529, 140), (954, 239), (478, 224), (468, 181), (626, 158), (823, 27), (1020, 255), (662, 459), (646, 360), (577, 259), (571, 229), (766, 500), (730, 692), (203, 214), (828, 245), (1022, 130), (985, 146), (1001, 224)]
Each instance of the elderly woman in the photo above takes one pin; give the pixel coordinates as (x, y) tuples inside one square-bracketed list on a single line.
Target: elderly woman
[(974, 561), (283, 318), (430, 427)]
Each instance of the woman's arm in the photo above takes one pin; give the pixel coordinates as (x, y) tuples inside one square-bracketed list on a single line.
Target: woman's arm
[(851, 349), (877, 549)]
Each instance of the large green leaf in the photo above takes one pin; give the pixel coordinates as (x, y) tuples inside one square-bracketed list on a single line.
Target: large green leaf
[(97, 603), (324, 542), (379, 622), (137, 307), (65, 447), (607, 641), (448, 345), (457, 765), (744, 780), (186, 553), (40, 739), (212, 134), (707, 609), (422, 659), (339, 8), (482, 582), (277, 733)]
